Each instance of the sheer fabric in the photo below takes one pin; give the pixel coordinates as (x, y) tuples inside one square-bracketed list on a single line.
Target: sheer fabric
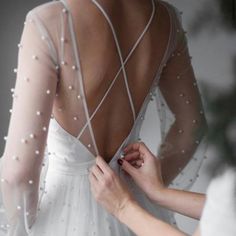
[(57, 125)]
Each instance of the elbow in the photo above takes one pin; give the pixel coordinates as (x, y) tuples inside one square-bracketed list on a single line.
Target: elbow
[(12, 180), (14, 176)]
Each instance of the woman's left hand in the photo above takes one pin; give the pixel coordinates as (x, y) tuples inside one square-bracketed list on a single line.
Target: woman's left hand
[(107, 188)]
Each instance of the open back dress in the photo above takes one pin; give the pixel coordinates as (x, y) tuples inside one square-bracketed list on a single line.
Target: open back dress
[(82, 92)]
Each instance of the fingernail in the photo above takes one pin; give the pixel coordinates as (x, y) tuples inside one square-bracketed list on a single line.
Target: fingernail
[(120, 162)]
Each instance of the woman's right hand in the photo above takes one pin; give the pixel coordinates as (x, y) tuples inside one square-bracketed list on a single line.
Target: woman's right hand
[(141, 164)]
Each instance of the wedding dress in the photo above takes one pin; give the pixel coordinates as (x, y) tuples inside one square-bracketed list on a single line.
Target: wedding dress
[(44, 169)]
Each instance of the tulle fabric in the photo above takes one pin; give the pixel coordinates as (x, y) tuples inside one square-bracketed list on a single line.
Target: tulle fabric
[(44, 168)]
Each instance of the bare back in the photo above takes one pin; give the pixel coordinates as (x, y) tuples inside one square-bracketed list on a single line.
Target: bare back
[(113, 118)]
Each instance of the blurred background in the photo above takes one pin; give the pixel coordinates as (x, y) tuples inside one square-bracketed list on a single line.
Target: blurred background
[(211, 33)]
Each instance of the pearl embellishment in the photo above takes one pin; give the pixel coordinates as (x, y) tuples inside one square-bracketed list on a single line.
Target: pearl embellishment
[(32, 136), (74, 67), (15, 158), (37, 152), (34, 57), (23, 140)]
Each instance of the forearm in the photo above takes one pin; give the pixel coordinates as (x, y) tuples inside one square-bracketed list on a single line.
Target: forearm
[(186, 203), (179, 147), (20, 198), (142, 223)]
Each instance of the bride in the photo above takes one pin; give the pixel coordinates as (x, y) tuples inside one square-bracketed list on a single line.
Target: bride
[(86, 72)]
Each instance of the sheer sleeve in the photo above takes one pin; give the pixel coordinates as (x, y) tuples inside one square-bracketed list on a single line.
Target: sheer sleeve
[(33, 95), (182, 118)]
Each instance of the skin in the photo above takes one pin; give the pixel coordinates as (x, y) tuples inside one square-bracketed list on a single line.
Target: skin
[(112, 193)]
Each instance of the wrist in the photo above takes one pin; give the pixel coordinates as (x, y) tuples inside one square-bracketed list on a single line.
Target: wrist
[(158, 194), (125, 210)]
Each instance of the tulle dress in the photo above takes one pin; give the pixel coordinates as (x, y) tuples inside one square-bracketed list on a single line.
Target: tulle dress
[(56, 124)]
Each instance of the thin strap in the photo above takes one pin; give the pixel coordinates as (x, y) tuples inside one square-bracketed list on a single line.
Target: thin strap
[(122, 63), (120, 55), (75, 47)]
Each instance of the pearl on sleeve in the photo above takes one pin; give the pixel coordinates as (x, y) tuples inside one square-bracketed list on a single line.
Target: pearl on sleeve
[(23, 140), (32, 135), (20, 45), (15, 158), (63, 40), (38, 113), (64, 10), (37, 152), (26, 79), (35, 57), (183, 151), (180, 131), (74, 67), (63, 63)]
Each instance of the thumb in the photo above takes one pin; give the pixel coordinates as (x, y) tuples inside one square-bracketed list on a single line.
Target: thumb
[(129, 168)]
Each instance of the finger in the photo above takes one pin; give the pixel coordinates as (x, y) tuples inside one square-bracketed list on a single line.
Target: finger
[(97, 172), (93, 180), (103, 165), (131, 147), (131, 170), (137, 146), (132, 156)]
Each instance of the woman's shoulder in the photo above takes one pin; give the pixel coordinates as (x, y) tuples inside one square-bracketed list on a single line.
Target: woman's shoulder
[(172, 9), (48, 11)]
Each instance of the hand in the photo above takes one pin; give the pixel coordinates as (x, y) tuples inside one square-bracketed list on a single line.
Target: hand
[(107, 188), (140, 163)]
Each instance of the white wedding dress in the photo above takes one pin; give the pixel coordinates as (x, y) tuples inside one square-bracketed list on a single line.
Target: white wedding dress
[(44, 169)]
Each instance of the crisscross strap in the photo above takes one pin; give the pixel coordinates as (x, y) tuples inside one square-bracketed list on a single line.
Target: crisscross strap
[(123, 63), (77, 58)]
